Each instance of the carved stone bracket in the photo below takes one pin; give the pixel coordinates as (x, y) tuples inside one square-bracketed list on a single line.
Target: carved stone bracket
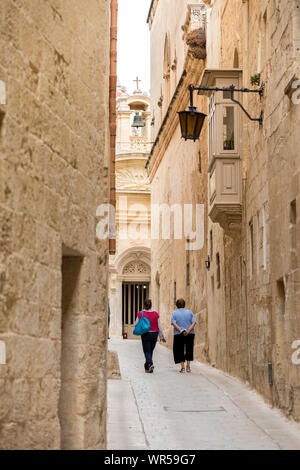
[(228, 216), (136, 268)]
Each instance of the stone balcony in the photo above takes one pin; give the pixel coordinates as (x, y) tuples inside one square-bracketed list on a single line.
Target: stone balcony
[(134, 146), (225, 193), (225, 136)]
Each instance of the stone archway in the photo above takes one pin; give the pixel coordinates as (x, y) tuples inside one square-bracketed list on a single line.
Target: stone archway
[(129, 283)]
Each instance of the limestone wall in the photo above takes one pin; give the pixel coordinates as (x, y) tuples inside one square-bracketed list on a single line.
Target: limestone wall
[(275, 180), (53, 175), (250, 306), (261, 302), (178, 173)]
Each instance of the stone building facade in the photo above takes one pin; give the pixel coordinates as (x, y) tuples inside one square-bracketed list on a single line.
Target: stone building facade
[(54, 147), (177, 170), (130, 267), (250, 297)]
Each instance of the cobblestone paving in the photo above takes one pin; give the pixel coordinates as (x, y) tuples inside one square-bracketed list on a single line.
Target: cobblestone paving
[(206, 409)]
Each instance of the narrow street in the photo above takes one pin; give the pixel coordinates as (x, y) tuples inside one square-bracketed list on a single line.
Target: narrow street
[(149, 167), (204, 410)]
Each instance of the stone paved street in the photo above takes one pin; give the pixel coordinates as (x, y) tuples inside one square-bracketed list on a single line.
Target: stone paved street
[(203, 410)]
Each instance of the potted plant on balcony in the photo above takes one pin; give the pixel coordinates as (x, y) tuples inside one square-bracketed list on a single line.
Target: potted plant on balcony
[(196, 40)]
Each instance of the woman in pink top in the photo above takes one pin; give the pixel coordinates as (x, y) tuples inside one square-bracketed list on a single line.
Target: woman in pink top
[(149, 339)]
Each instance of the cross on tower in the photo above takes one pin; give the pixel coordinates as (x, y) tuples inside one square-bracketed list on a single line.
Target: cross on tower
[(137, 80)]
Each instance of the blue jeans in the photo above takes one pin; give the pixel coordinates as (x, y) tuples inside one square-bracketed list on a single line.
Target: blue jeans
[(149, 341)]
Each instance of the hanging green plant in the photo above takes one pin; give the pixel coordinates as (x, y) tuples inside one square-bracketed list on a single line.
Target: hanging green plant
[(255, 79)]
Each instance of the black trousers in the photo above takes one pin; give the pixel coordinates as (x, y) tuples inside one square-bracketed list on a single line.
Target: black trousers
[(183, 348), (149, 341)]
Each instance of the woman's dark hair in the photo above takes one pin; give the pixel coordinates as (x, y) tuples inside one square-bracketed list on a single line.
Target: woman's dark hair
[(148, 304), (180, 303)]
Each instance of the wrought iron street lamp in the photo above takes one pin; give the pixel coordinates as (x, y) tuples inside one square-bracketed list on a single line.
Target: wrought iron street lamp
[(191, 121)]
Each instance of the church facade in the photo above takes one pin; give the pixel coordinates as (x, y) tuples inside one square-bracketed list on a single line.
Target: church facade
[(130, 267)]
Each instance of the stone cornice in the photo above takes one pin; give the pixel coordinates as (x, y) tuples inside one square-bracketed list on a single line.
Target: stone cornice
[(133, 191), (123, 157), (192, 73), (152, 11)]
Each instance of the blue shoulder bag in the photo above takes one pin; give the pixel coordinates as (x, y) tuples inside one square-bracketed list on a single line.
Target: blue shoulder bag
[(142, 327)]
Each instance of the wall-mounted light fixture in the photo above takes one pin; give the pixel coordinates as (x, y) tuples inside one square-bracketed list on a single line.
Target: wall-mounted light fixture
[(191, 121), (207, 263)]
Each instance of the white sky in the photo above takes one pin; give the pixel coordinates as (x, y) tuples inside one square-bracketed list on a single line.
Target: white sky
[(134, 44)]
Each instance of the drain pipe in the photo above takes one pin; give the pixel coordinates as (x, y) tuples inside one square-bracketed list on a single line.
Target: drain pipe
[(113, 117)]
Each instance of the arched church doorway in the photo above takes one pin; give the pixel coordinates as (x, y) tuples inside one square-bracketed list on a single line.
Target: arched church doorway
[(133, 298), (129, 287), (135, 290)]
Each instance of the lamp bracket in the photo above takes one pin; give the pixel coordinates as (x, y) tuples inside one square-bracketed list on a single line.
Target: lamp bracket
[(232, 89)]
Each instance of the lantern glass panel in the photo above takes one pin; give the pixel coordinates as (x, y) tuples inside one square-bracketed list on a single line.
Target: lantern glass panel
[(191, 124), (199, 124), (183, 120)]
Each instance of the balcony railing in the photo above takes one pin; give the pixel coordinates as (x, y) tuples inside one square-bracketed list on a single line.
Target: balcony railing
[(133, 147)]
